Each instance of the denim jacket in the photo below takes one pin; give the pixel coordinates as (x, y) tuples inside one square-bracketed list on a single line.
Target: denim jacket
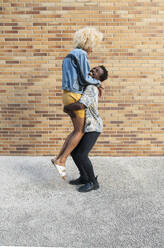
[(70, 79)]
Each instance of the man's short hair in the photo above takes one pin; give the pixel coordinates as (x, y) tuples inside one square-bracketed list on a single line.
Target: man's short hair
[(104, 76)]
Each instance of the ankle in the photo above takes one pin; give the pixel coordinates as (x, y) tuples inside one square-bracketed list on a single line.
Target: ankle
[(94, 180), (60, 162)]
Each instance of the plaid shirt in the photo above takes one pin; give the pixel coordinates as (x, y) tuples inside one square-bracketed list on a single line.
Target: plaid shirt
[(93, 122)]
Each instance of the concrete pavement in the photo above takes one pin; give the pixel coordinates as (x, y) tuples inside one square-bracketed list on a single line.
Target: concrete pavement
[(37, 208)]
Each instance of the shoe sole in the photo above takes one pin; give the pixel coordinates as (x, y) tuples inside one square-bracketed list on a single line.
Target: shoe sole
[(88, 190)]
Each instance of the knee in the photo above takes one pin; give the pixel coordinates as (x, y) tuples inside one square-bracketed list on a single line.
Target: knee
[(77, 155), (82, 157), (78, 132), (74, 155)]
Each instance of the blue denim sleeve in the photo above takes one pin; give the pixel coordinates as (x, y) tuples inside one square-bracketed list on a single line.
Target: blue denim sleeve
[(84, 64)]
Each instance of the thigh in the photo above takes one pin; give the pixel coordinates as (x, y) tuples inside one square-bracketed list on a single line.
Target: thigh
[(86, 143), (71, 97), (78, 123)]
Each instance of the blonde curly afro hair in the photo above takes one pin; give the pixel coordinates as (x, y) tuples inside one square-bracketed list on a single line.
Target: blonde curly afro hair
[(87, 38)]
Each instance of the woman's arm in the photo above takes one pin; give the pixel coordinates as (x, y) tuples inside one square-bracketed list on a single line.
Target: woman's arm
[(85, 70)]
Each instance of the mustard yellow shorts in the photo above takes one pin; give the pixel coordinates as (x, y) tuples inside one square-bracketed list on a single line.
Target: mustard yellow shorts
[(71, 97)]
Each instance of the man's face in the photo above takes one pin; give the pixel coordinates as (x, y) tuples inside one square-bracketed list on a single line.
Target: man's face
[(96, 72)]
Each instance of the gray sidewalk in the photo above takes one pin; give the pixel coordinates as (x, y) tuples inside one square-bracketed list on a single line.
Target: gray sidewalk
[(37, 208)]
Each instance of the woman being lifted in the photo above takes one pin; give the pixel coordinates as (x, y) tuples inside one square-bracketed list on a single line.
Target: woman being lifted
[(85, 40)]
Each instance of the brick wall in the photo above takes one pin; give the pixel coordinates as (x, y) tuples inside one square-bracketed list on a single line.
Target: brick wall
[(34, 38)]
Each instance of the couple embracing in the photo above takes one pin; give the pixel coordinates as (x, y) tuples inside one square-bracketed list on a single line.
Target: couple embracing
[(81, 88)]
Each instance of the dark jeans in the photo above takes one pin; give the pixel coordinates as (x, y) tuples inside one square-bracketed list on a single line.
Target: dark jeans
[(80, 155)]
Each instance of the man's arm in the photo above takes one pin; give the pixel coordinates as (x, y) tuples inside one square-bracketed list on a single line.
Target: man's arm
[(74, 106), (88, 97)]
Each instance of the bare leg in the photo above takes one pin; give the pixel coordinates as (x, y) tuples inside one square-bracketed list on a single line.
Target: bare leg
[(71, 141), (59, 167), (64, 146)]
